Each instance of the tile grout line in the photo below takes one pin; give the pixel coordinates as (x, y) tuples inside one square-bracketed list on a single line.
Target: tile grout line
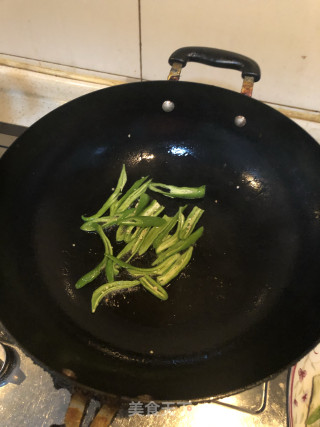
[(68, 74), (140, 38)]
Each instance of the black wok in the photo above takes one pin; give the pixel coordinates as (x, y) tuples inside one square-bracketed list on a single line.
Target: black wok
[(248, 305)]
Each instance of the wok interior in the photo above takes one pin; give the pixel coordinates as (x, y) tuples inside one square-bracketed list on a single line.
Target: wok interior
[(234, 316)]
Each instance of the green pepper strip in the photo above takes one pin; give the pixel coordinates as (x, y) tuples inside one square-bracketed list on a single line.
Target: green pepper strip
[(171, 222), (156, 270), (128, 193), (103, 290), (191, 222), (128, 233), (152, 286), (121, 233), (181, 219), (154, 209), (109, 271), (149, 239), (167, 243), (142, 204), (133, 196), (105, 240), (179, 192), (105, 263), (108, 250), (162, 268), (142, 221), (136, 185), (180, 246), (121, 183), (126, 249), (138, 241), (106, 221), (112, 219), (91, 275), (135, 221), (178, 266)]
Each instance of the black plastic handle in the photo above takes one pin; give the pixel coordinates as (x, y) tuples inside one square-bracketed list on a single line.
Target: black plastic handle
[(217, 58)]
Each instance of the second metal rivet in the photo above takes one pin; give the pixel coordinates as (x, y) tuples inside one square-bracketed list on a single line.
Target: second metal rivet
[(168, 106), (240, 121)]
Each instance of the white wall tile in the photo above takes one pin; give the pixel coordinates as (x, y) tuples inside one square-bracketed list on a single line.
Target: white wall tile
[(101, 35), (281, 35)]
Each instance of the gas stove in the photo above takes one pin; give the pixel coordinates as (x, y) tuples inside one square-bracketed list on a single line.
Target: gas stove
[(30, 395)]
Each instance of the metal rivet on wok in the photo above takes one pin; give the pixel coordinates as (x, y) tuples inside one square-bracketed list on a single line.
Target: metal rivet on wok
[(168, 106), (240, 121)]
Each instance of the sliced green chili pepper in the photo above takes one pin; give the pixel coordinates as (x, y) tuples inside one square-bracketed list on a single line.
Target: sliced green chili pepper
[(178, 266), (91, 275), (156, 270), (105, 221), (171, 240), (128, 236), (142, 204), (124, 231), (154, 209), (138, 241), (106, 242), (126, 265), (142, 221), (178, 192), (105, 289), (127, 249), (171, 222), (134, 233), (180, 246), (190, 222), (135, 221), (141, 227), (108, 250), (149, 239), (133, 196), (137, 184), (109, 271), (120, 233), (152, 286), (167, 243), (181, 219), (121, 183)]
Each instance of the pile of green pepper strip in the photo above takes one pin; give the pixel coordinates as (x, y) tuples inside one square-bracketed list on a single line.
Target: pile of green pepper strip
[(141, 228)]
